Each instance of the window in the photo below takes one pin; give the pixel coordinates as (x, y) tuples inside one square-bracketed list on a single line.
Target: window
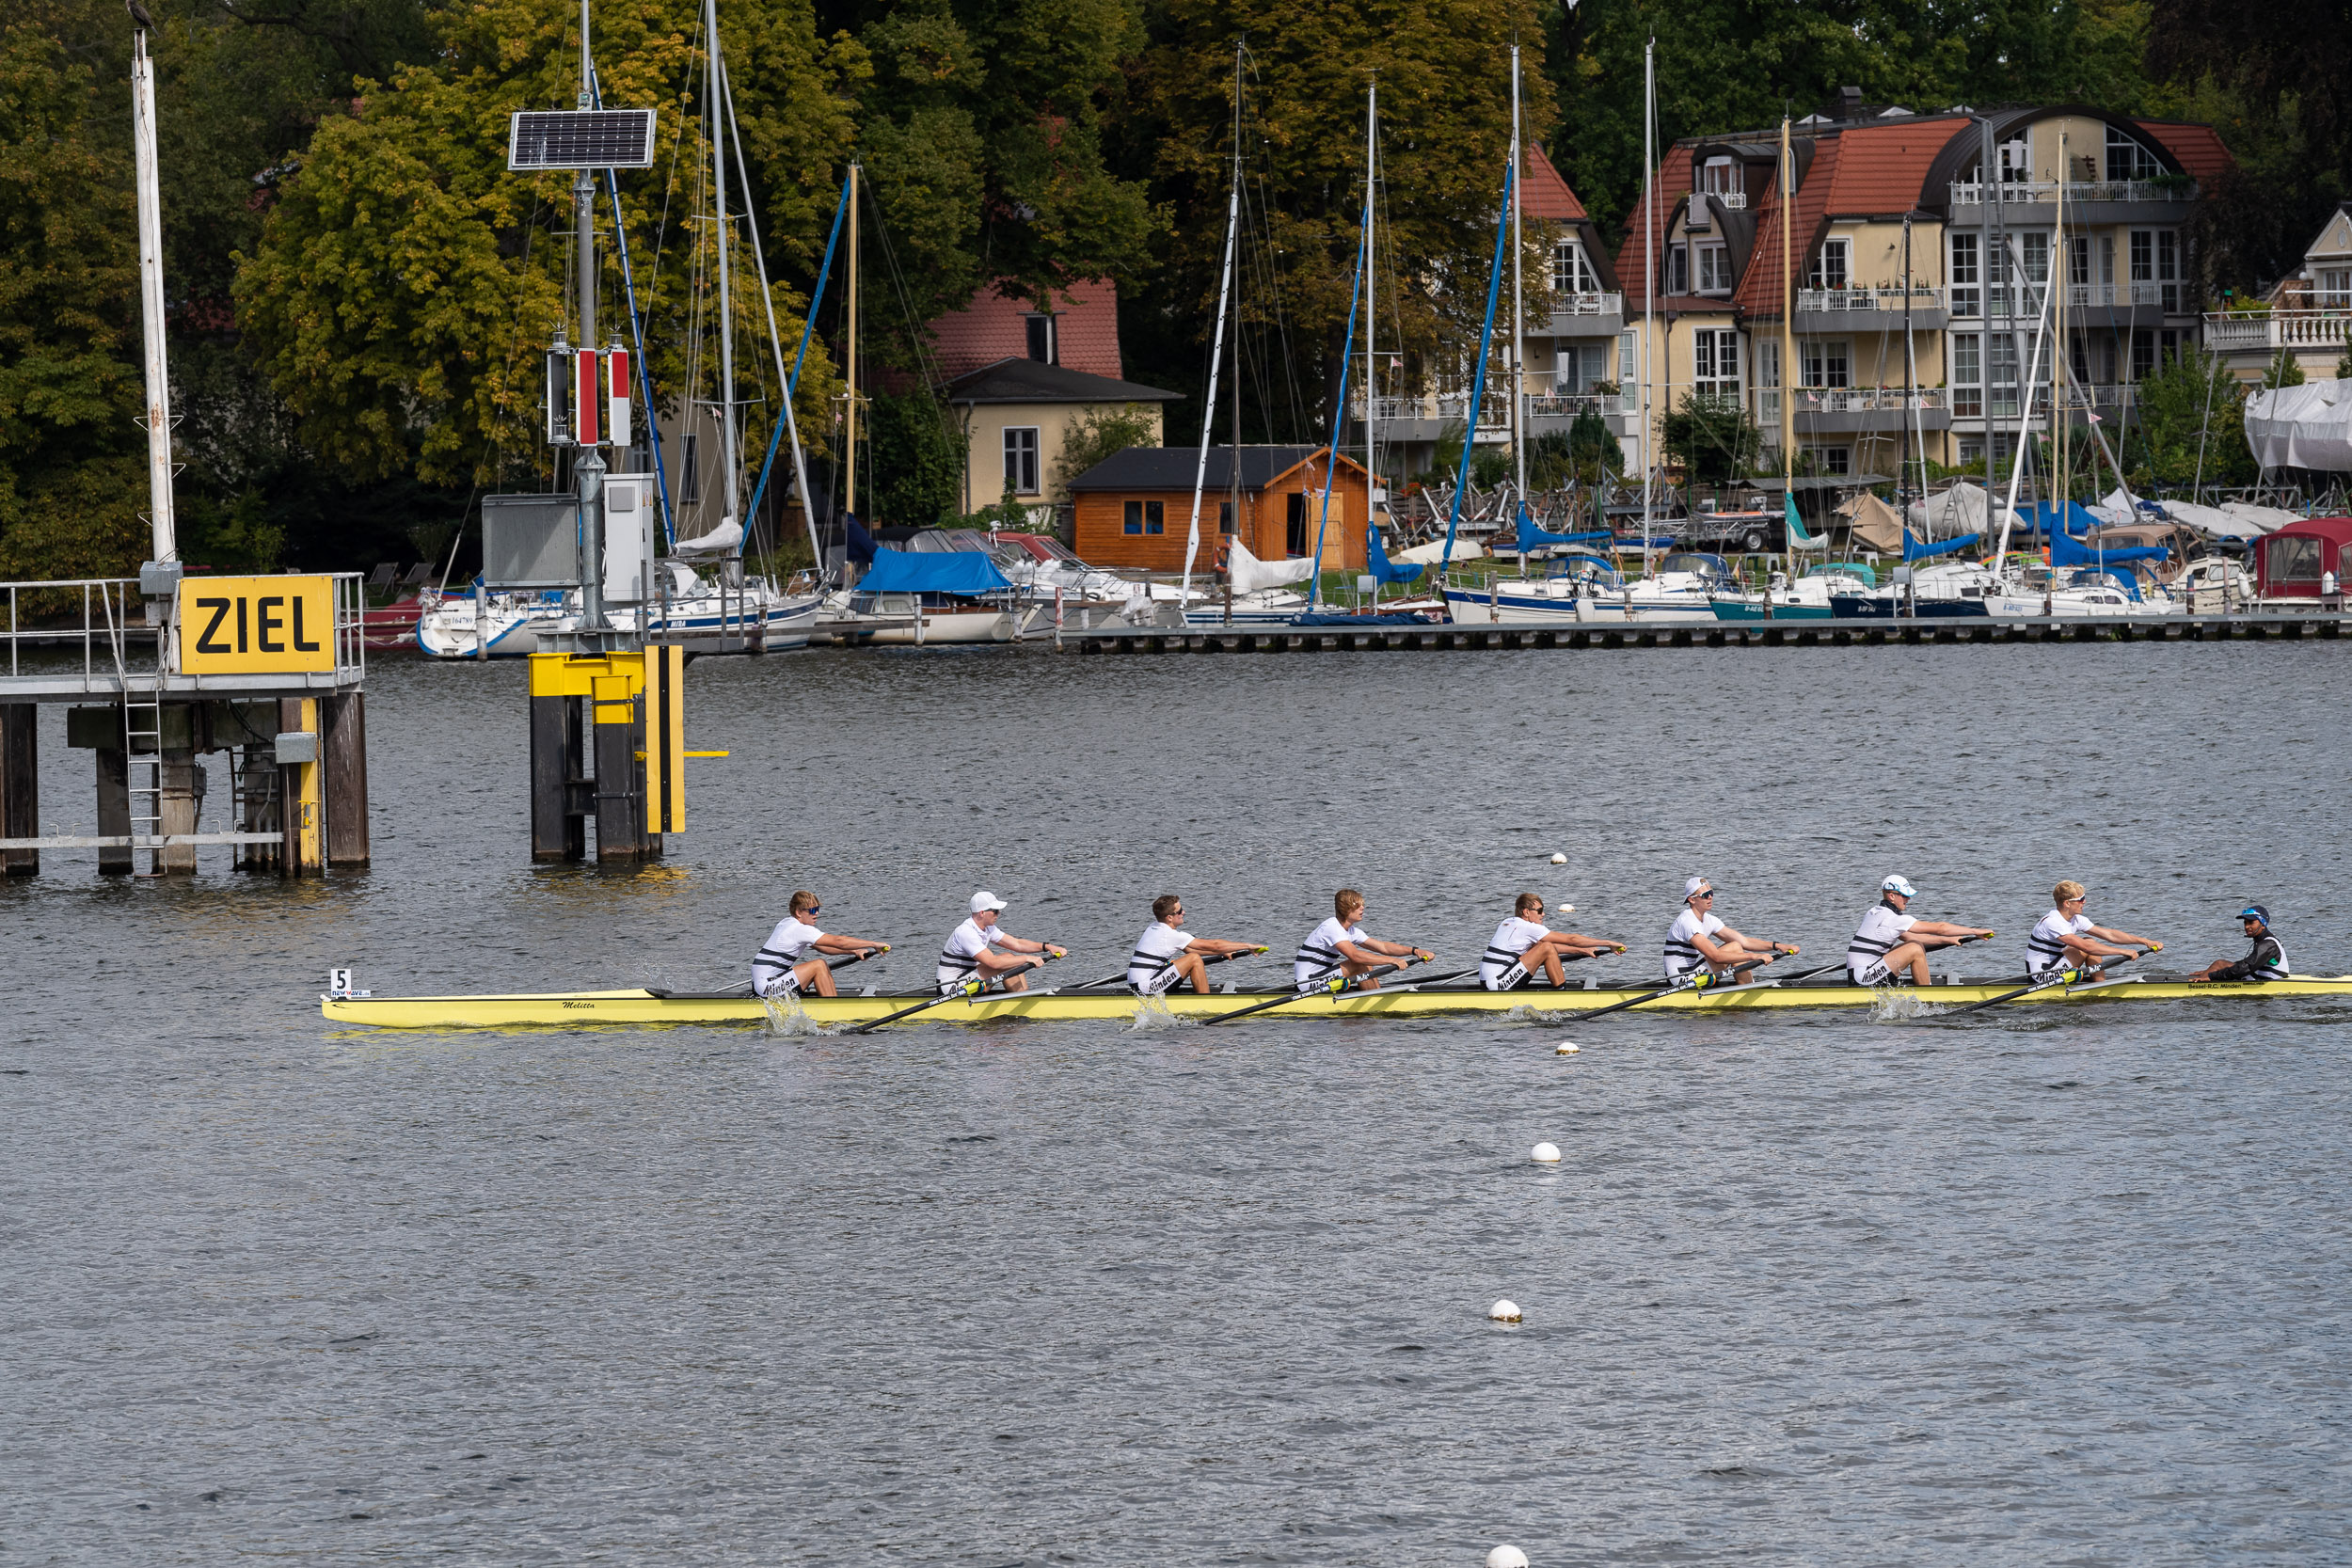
[(2034, 252), (2015, 165), (2143, 258), (2000, 358), (1832, 460), (2332, 288), (1571, 273), (2295, 559), (1825, 362), (690, 473), (1768, 389), (1677, 270), (1041, 344), (1020, 459), (2143, 353), (1967, 375), (2078, 262), (1714, 269), (2168, 268), (1965, 277), (2078, 358), (1715, 362), (1629, 360), (1224, 517), (2106, 259), (1971, 453), (2128, 159), (1152, 516), (1829, 267), (1720, 177)]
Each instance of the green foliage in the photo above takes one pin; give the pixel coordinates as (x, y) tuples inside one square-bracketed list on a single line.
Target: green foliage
[(1713, 438), (1096, 434), (916, 462), (1586, 452), (1006, 512), (2191, 404), (2285, 370)]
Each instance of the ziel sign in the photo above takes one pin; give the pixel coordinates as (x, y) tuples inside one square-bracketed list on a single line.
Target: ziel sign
[(257, 625)]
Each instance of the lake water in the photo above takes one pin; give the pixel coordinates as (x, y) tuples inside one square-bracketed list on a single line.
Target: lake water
[(2056, 1287)]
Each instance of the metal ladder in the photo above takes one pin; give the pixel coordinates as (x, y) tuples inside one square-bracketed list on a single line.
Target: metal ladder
[(142, 741)]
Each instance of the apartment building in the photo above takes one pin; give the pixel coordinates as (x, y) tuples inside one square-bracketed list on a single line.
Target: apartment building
[(1914, 269), (2308, 316)]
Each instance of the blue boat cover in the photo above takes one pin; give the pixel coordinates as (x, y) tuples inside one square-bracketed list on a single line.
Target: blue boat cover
[(2068, 549), (861, 544), (2046, 518), (945, 572), (1340, 618), (1376, 563), (1913, 550), (1533, 538)]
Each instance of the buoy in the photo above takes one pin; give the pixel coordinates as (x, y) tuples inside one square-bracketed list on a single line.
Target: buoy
[(1565, 1048), (1505, 1312), (1506, 1557), (1545, 1154), (1559, 859), (1567, 909)]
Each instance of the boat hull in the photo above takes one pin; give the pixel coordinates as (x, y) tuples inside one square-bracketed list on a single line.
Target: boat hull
[(1471, 608), (640, 1009)]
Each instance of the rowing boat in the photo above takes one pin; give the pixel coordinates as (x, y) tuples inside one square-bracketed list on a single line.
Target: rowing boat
[(639, 1007)]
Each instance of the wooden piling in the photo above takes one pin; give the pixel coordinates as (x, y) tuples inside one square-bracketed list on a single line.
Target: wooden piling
[(20, 786), (344, 757)]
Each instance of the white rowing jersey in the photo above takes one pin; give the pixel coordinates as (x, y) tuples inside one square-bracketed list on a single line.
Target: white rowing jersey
[(960, 959), (1151, 969), (1500, 966), (1879, 933), (2044, 950), (1682, 956), (1319, 957), (788, 945)]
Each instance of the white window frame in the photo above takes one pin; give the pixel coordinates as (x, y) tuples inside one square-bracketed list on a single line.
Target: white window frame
[(1711, 350), (1714, 269), (1825, 357), (1719, 176), (1833, 265), (1022, 459)]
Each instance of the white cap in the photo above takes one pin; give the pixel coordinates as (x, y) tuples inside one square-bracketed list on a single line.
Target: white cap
[(984, 900), (1898, 884), (1695, 886)]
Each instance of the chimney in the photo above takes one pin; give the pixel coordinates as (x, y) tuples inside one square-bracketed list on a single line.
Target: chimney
[(1849, 105)]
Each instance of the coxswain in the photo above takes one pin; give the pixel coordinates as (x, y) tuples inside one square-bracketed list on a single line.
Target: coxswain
[(788, 963), (1167, 953), (1888, 941), (981, 950), (2266, 962), (1698, 940), (1340, 949), (1523, 947), (2066, 938)]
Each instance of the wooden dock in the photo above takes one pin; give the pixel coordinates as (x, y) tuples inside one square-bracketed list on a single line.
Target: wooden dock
[(2266, 626)]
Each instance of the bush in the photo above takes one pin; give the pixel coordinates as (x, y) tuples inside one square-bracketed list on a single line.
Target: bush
[(916, 457), (1713, 439), (1096, 434)]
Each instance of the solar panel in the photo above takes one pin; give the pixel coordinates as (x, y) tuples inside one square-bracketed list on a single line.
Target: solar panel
[(581, 138)]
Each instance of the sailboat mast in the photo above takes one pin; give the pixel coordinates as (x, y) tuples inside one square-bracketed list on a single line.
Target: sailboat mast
[(2061, 354), (1788, 323), (714, 127), (1216, 360), (1371, 318), (848, 443), (160, 520), (1519, 325), (1232, 238), (1649, 286)]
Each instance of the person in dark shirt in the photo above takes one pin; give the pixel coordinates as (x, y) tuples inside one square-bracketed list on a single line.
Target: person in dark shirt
[(2266, 962)]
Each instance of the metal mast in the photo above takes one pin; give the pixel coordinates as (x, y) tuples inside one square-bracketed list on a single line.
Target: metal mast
[(714, 127), (165, 538), (1787, 324), (848, 443), (1372, 319), (1519, 333), (1216, 358), (1649, 285)]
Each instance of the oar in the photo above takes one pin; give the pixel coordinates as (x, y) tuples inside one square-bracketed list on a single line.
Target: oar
[(832, 961), (1697, 979), (1335, 986), (2056, 977), (969, 989), (1122, 976)]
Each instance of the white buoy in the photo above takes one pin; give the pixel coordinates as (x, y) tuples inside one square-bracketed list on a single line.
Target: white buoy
[(1545, 1154), (1559, 859), (1506, 1557), (1505, 1312), (1565, 1048), (1566, 908)]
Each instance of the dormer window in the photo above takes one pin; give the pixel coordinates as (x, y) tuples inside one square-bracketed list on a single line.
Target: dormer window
[(1571, 273), (1043, 348), (1718, 177), (2128, 159), (1714, 269)]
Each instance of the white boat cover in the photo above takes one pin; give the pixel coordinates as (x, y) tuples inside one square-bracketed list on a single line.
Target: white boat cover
[(2269, 517), (1434, 552), (1249, 574), (1950, 514), (723, 540), (2302, 427), (2214, 520)]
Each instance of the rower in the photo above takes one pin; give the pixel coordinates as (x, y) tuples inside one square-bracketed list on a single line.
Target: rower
[(972, 951), (1523, 944), (1888, 941), (2065, 938), (786, 966), (1167, 953), (1698, 938), (2266, 962), (1340, 948)]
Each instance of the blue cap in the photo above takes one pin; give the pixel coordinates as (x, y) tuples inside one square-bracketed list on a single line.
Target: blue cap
[(2254, 912)]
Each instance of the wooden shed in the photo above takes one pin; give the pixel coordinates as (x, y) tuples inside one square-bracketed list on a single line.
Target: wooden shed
[(1133, 508)]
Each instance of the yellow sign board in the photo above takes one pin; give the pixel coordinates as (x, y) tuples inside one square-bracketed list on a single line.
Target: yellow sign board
[(257, 625)]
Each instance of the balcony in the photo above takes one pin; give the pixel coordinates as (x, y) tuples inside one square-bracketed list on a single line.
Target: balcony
[(1854, 410), (2172, 192), (1585, 315), (2269, 331), (1838, 309), (1427, 417), (2126, 303)]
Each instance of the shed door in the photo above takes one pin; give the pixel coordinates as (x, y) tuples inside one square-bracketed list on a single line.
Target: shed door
[(1294, 541)]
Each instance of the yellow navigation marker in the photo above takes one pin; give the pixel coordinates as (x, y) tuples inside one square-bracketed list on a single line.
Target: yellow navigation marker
[(257, 625)]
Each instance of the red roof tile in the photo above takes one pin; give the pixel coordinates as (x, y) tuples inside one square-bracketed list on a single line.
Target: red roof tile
[(1880, 167), (994, 326), (1760, 289), (2198, 147), (1672, 185), (1543, 194)]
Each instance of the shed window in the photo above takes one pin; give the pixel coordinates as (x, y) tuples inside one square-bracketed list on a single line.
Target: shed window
[(1145, 517)]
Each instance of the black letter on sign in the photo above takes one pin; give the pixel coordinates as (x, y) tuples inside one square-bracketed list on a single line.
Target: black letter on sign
[(204, 644), (264, 623), (301, 647), (241, 604)]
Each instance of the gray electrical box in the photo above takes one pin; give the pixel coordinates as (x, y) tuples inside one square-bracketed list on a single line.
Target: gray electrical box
[(530, 542)]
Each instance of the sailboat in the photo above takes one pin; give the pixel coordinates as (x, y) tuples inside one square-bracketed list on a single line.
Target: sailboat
[(698, 595)]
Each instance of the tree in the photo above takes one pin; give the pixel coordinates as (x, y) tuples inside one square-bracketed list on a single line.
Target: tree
[(1586, 452), (916, 459), (1096, 435), (2285, 370), (1713, 438), (406, 285), (2191, 422)]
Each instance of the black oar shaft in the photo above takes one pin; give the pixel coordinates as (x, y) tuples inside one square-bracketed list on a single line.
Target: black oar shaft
[(1693, 981), (2062, 977), (1352, 983)]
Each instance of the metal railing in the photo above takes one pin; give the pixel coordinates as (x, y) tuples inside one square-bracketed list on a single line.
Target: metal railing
[(1542, 406), (1971, 193), (102, 620), (2244, 329), (1828, 300), (1866, 400), (1567, 304)]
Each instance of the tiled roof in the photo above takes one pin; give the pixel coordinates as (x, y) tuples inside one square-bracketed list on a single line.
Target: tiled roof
[(2198, 147), (1880, 168), (994, 326), (1759, 287), (1544, 194), (1031, 381), (1165, 468), (1667, 191)]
